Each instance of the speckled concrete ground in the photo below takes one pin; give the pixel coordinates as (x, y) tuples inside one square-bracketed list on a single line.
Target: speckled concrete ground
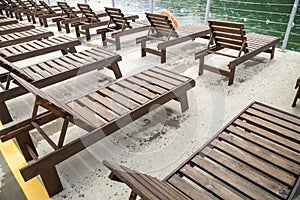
[(161, 140)]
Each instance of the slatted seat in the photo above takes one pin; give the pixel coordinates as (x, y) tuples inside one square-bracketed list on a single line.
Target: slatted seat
[(121, 25), (100, 113), (256, 156), (54, 71), (163, 30), (39, 47), (12, 28), (8, 21), (297, 96), (24, 36), (89, 19), (231, 35)]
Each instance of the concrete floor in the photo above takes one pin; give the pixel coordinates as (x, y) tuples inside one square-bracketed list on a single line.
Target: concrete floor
[(161, 140)]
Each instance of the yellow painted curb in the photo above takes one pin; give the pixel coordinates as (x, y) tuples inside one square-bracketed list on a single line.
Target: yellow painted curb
[(33, 189)]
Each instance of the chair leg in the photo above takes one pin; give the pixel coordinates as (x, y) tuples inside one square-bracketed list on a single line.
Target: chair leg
[(183, 102), (58, 25), (297, 96), (132, 196), (272, 52), (45, 22), (77, 30), (88, 35), (67, 27), (23, 141), (5, 116), (116, 69), (231, 76), (143, 48), (118, 43), (163, 56), (51, 181), (201, 66)]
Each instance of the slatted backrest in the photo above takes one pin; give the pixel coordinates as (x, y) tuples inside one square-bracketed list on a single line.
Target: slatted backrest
[(35, 5), (147, 187), (46, 6), (14, 69), (161, 24), (117, 17), (56, 107), (67, 10), (228, 35), (21, 3), (88, 13)]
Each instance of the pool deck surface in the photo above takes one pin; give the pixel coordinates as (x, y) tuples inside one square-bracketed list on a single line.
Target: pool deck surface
[(159, 141)]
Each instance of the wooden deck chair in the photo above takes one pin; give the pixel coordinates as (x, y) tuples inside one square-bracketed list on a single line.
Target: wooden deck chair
[(52, 11), (231, 35), (297, 96), (255, 156), (121, 25), (53, 71), (8, 21), (24, 36), (13, 28), (68, 15), (27, 10), (100, 113), (163, 30), (89, 19)]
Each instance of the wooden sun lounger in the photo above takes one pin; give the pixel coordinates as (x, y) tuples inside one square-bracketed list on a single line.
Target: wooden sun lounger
[(297, 96), (24, 36), (39, 47), (121, 25), (256, 156), (115, 106), (163, 30), (27, 9), (70, 15), (232, 36), (89, 19), (8, 21), (53, 71), (50, 13), (13, 28)]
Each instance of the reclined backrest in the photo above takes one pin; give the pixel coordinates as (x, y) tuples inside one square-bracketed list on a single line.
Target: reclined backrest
[(46, 6), (48, 102), (67, 10), (162, 25), (14, 69), (228, 35), (88, 13), (117, 17)]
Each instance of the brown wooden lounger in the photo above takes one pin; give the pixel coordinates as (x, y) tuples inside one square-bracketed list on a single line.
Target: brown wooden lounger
[(256, 156), (24, 36), (163, 30), (13, 28), (297, 96), (54, 71), (8, 21), (89, 19), (51, 11), (121, 25), (232, 35), (39, 47), (101, 113)]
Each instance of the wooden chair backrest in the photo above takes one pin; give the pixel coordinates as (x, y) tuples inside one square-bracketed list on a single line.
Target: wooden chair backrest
[(67, 10), (21, 3), (49, 102), (88, 13), (14, 69), (147, 187), (229, 35), (46, 6), (161, 24), (117, 17), (35, 5)]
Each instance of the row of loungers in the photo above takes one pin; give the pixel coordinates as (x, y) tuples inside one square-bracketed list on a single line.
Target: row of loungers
[(255, 156)]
